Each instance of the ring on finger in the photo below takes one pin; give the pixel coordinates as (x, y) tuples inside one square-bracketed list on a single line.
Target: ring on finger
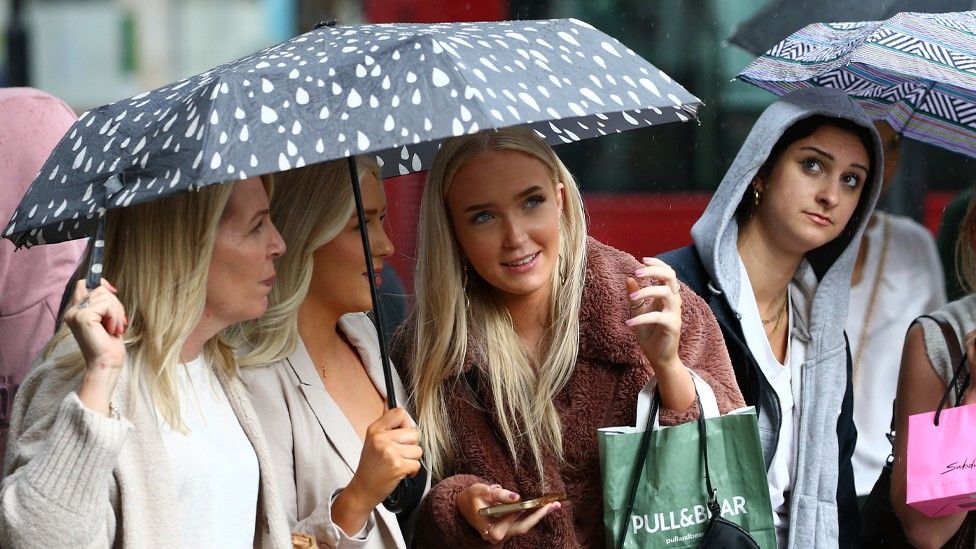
[(675, 289), (487, 530), (85, 302), (638, 305)]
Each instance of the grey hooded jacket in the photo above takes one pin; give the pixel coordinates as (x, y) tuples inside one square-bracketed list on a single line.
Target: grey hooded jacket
[(823, 510)]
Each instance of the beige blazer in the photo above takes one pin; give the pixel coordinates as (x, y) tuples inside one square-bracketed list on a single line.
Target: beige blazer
[(314, 448), (75, 478)]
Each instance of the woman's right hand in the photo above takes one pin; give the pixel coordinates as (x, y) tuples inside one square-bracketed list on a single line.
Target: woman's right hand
[(477, 496), (391, 452), (98, 322)]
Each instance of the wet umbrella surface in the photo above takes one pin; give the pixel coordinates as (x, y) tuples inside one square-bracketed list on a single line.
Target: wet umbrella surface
[(394, 90)]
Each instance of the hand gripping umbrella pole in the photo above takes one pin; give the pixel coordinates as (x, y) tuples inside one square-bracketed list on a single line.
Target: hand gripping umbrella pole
[(408, 493)]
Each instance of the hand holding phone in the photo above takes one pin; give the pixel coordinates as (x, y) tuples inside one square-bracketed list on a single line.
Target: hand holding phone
[(503, 509), (478, 498)]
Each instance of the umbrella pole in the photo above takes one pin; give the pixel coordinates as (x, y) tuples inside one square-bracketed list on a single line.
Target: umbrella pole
[(408, 493), (94, 277), (373, 290)]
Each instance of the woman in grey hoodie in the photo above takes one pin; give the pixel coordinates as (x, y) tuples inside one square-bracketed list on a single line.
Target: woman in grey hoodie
[(772, 256)]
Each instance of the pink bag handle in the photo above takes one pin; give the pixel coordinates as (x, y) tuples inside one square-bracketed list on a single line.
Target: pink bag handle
[(956, 356)]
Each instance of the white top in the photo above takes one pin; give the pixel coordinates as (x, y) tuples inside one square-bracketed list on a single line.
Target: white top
[(214, 467), (780, 376), (911, 284)]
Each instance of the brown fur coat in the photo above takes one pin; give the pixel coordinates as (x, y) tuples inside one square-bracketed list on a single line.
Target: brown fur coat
[(602, 392)]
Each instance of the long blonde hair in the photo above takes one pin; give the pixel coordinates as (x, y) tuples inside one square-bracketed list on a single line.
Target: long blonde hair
[(158, 256), (311, 206), (452, 303)]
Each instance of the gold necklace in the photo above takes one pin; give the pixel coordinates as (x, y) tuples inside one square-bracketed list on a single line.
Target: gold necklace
[(779, 314)]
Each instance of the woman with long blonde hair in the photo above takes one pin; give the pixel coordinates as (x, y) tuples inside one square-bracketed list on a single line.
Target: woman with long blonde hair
[(527, 337), (312, 364), (133, 430)]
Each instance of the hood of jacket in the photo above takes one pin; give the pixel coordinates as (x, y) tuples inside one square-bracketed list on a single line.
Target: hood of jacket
[(33, 123)]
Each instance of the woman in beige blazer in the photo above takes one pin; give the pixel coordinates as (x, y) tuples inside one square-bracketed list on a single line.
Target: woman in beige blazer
[(312, 365)]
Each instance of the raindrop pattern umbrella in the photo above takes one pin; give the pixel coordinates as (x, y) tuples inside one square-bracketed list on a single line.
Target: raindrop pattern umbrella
[(392, 90), (916, 71)]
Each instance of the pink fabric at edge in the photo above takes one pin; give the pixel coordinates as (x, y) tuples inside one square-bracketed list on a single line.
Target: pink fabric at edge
[(31, 280)]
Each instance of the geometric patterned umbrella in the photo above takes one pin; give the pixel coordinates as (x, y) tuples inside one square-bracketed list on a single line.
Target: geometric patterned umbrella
[(392, 90), (778, 19), (917, 71)]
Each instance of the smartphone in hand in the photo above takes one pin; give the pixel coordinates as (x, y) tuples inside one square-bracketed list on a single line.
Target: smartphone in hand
[(503, 509)]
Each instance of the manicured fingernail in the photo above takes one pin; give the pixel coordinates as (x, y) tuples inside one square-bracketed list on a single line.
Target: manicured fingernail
[(513, 496), (635, 294), (630, 322), (647, 260), (639, 272)]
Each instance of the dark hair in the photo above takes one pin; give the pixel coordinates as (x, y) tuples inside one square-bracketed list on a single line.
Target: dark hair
[(808, 126), (801, 129)]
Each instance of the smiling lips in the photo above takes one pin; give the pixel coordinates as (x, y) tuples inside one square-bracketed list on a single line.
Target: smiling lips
[(522, 264), (821, 220), (269, 282)]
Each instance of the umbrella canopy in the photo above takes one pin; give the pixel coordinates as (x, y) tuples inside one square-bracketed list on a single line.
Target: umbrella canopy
[(781, 18), (916, 71), (393, 90)]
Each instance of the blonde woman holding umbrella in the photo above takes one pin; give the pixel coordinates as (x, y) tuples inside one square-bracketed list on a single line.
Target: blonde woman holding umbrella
[(527, 337), (313, 369), (134, 430)]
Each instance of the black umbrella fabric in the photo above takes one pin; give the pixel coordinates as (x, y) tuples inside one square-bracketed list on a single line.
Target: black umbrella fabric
[(393, 90), (781, 18)]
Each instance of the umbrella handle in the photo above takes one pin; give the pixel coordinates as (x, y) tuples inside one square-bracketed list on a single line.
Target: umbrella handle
[(408, 493)]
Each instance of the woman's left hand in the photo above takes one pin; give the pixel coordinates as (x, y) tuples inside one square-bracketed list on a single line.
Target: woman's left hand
[(656, 313)]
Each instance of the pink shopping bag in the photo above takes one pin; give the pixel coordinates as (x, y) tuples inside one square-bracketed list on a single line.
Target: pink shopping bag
[(941, 461)]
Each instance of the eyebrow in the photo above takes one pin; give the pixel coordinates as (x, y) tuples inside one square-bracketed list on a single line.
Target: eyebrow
[(831, 157), (531, 190), (261, 213)]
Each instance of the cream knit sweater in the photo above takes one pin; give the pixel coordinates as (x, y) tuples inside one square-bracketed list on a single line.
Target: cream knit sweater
[(75, 478)]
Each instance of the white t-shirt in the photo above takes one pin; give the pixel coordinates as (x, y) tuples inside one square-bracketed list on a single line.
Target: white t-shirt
[(780, 377), (911, 284), (214, 467)]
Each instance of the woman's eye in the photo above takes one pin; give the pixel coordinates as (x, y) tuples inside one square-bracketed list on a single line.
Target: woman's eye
[(813, 165), (534, 201), (852, 180), (258, 227), (481, 217)]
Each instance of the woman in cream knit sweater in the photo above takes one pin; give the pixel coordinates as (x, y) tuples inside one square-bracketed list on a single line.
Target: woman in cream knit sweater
[(133, 429)]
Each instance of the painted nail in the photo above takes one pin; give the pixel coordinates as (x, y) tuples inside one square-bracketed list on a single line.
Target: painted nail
[(630, 322), (635, 294), (513, 496)]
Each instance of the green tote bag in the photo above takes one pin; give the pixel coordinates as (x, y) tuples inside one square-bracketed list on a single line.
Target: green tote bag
[(668, 506)]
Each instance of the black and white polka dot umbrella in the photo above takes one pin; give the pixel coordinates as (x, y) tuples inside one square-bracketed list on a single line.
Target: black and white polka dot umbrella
[(392, 90)]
